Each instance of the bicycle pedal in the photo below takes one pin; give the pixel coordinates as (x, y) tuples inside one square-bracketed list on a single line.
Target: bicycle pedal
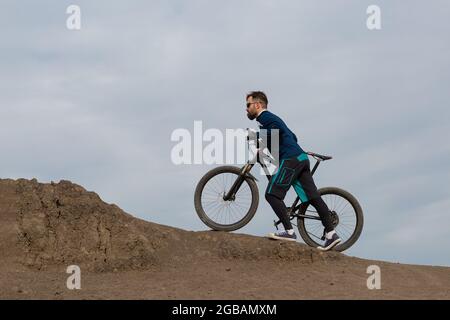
[(276, 224)]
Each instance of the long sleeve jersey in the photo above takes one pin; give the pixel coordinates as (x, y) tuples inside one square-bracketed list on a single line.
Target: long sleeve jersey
[(288, 146)]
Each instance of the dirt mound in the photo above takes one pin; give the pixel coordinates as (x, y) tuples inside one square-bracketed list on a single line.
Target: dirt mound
[(62, 224), (44, 228)]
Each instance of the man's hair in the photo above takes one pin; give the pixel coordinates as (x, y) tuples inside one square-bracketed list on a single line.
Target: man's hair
[(259, 96)]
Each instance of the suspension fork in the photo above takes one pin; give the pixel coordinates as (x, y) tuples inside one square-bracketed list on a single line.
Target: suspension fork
[(231, 194)]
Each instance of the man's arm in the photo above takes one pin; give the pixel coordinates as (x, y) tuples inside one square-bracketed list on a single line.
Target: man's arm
[(268, 127)]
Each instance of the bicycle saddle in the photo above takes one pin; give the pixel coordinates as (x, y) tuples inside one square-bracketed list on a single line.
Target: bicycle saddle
[(322, 157)]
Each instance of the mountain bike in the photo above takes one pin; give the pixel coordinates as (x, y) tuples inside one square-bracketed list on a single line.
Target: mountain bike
[(227, 197)]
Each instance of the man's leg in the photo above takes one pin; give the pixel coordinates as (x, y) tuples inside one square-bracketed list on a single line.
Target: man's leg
[(276, 191), (307, 191), (280, 210), (324, 213)]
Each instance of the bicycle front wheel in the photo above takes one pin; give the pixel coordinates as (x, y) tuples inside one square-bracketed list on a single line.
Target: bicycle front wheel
[(219, 214)]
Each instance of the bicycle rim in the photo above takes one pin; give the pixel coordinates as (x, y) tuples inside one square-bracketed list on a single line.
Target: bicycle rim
[(223, 212)]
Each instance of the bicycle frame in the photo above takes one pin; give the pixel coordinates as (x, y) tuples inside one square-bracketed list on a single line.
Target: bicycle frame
[(245, 172)]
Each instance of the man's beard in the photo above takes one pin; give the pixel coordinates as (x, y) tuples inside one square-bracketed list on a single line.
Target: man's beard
[(251, 116)]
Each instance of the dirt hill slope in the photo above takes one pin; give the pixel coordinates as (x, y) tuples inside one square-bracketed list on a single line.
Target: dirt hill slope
[(46, 227)]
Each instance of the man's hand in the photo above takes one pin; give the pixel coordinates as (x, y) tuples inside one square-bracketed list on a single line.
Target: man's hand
[(252, 135)]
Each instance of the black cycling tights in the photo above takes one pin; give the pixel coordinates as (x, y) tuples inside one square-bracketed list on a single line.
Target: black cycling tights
[(281, 211)]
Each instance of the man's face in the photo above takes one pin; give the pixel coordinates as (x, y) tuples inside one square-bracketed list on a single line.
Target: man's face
[(253, 107)]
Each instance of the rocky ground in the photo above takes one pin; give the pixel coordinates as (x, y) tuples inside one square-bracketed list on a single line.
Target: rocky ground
[(44, 228)]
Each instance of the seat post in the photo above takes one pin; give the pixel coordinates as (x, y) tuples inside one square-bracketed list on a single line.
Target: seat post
[(315, 167)]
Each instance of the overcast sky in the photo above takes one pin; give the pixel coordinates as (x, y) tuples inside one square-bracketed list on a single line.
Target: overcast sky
[(97, 106)]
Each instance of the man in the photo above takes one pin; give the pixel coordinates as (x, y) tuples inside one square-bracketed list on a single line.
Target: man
[(294, 170)]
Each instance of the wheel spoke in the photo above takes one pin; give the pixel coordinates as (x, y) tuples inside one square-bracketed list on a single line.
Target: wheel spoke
[(347, 218), (226, 212), (236, 212), (315, 236)]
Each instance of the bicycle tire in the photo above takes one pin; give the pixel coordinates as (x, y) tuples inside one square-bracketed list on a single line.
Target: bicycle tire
[(359, 219), (201, 212)]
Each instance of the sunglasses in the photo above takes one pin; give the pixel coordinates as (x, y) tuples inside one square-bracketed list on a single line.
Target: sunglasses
[(250, 103)]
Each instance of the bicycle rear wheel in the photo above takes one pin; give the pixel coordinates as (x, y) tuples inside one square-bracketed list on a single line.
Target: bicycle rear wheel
[(346, 214), (219, 214)]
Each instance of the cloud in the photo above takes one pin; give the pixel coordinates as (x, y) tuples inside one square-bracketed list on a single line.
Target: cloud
[(98, 106)]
